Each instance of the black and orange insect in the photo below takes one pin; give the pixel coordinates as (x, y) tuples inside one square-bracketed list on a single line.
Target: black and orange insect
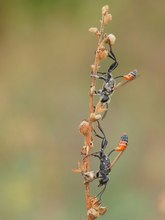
[(109, 85), (105, 164)]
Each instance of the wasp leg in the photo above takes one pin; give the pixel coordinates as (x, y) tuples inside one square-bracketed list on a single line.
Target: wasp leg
[(99, 77), (104, 142), (113, 57), (99, 195)]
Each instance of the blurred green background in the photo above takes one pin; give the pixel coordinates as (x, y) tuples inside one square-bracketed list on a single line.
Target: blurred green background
[(45, 57)]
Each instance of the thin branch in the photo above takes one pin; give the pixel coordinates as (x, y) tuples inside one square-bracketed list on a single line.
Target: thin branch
[(91, 110)]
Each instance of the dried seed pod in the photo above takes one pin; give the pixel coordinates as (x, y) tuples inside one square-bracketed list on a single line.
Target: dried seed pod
[(93, 213), (94, 117), (112, 38), (84, 128), (93, 30), (100, 108), (107, 18), (102, 54), (105, 9), (102, 210), (89, 176), (95, 203)]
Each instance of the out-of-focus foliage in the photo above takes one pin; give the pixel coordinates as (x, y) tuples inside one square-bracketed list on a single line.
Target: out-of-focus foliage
[(45, 57)]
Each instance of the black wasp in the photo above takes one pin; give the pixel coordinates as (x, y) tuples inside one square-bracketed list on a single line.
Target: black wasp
[(105, 164), (109, 85)]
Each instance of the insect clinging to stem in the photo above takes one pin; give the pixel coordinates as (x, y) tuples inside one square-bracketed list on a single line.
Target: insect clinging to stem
[(109, 85), (105, 164)]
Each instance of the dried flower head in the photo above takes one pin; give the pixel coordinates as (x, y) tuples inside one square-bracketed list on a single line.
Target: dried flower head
[(96, 209), (102, 54), (100, 108), (93, 30), (95, 203), (94, 117), (102, 210), (107, 18), (105, 9), (93, 214), (89, 176), (112, 39), (84, 128)]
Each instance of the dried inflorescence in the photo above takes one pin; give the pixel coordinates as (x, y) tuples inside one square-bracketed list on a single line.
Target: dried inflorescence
[(97, 113), (96, 209)]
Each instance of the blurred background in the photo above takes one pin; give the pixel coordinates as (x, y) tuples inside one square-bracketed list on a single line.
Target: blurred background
[(45, 57)]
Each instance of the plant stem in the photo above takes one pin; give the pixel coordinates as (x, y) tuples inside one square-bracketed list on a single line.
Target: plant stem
[(91, 110)]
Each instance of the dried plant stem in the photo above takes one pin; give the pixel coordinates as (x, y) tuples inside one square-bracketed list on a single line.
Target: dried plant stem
[(91, 110), (96, 112)]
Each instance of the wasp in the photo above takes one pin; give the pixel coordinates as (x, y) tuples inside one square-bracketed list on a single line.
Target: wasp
[(109, 85), (105, 165)]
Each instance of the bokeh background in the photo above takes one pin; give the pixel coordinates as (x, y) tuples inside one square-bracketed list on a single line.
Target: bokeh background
[(45, 57)]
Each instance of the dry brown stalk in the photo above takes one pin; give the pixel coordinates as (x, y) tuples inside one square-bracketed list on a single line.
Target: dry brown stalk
[(93, 204), (88, 140)]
